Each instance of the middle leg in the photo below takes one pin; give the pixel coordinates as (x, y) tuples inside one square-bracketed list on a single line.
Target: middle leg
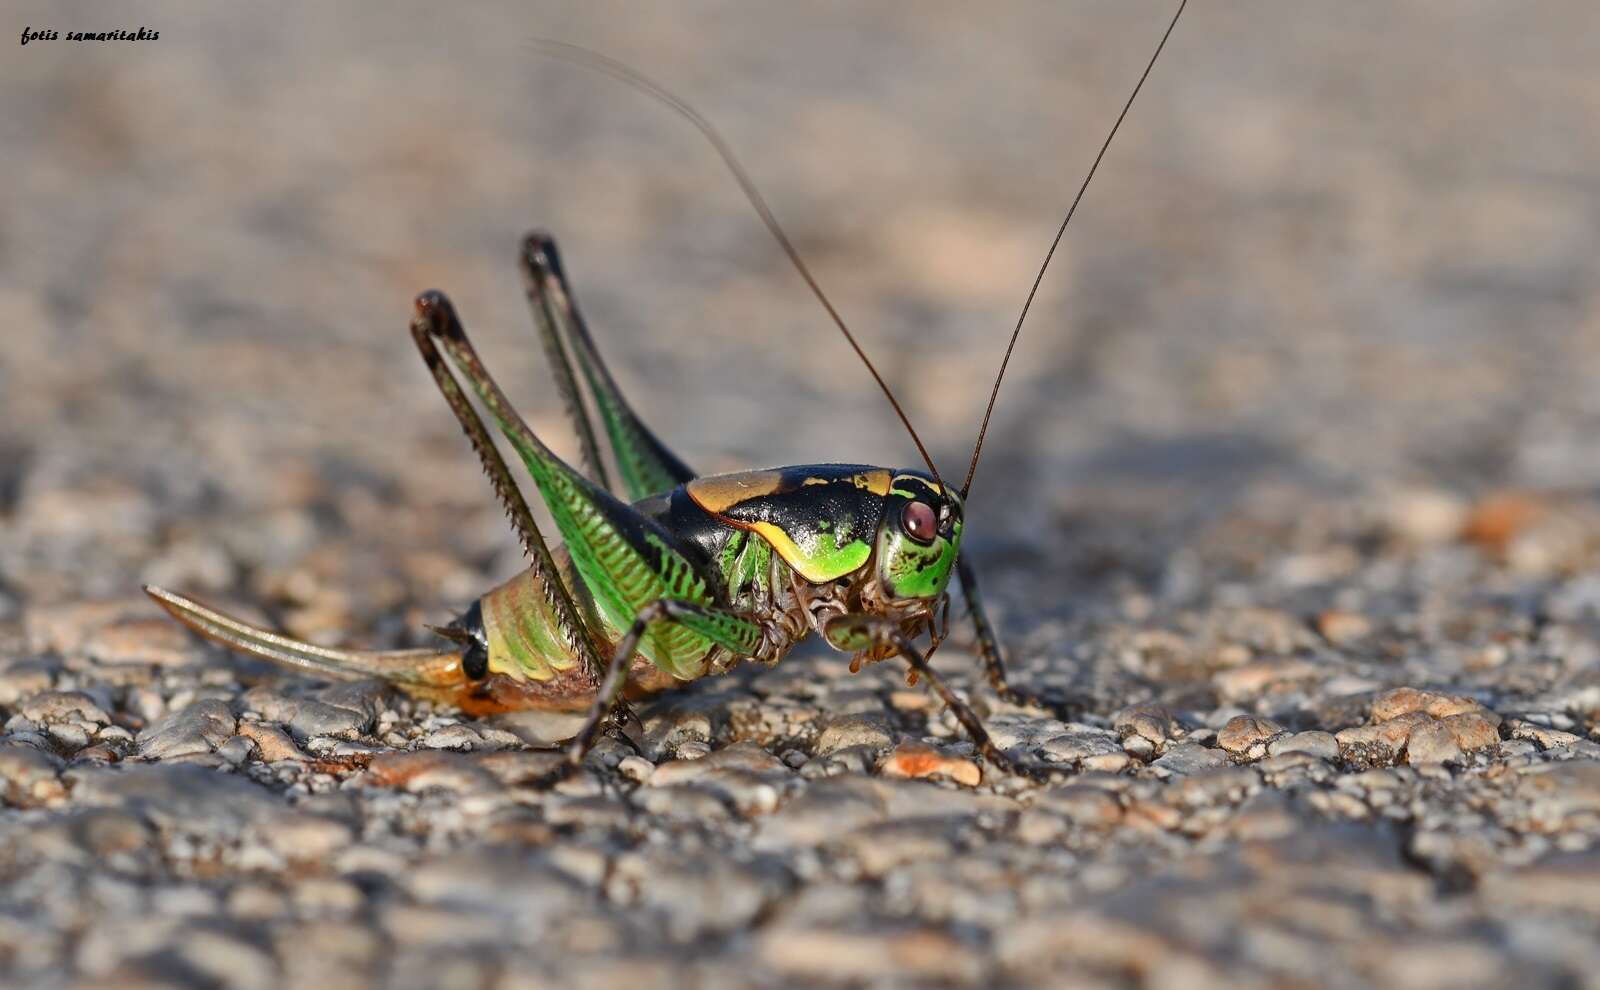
[(729, 630)]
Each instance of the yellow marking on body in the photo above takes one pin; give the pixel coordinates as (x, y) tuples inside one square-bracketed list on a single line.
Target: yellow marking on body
[(789, 552), (877, 482), (911, 477), (718, 493)]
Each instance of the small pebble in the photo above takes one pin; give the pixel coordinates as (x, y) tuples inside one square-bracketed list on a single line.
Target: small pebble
[(1342, 628), (870, 731), (1315, 743), (459, 736), (1247, 736), (199, 727), (693, 750), (1432, 743), (636, 768), (915, 760), (1189, 758), (237, 749), (272, 744)]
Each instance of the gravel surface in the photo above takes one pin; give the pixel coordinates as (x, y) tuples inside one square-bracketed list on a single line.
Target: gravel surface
[(1294, 483)]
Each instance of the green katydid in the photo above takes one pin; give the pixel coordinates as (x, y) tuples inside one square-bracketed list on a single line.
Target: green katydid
[(689, 575)]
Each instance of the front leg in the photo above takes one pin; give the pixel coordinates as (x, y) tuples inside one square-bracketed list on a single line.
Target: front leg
[(994, 666), (853, 633)]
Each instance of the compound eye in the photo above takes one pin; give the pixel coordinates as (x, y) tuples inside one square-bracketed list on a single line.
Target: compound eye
[(920, 522)]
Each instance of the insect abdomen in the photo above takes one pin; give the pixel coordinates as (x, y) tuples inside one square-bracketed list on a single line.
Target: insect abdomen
[(520, 631)]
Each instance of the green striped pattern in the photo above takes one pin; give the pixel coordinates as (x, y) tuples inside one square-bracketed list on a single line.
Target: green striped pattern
[(616, 574), (642, 474), (737, 635)]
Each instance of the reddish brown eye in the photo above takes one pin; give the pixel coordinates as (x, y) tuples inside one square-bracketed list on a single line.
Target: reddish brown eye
[(920, 522)]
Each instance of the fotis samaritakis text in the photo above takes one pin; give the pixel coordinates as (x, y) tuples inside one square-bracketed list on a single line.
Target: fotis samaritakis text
[(143, 33)]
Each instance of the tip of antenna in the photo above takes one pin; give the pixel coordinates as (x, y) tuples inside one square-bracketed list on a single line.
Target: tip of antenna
[(994, 393)]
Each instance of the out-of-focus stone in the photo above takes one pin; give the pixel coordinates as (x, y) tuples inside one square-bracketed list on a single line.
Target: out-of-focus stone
[(299, 836), (176, 797), (1561, 794), (29, 776), (1342, 628), (1089, 807), (1432, 743), (1247, 736), (1406, 700), (1473, 730), (429, 769), (1190, 758), (63, 706), (22, 678), (915, 760), (153, 640), (1254, 679), (63, 628), (197, 728), (1425, 516), (272, 743), (1150, 722), (1500, 518), (870, 731), (1315, 743), (841, 955)]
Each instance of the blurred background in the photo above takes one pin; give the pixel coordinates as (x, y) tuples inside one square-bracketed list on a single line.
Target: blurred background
[(1336, 248)]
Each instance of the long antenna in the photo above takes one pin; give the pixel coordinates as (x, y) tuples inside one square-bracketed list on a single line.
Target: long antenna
[(578, 55), (994, 393)]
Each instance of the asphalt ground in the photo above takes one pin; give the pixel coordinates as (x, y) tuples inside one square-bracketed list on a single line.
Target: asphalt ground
[(1303, 415)]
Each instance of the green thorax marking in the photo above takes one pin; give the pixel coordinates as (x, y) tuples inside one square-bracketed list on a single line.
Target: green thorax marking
[(745, 566), (911, 570)]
